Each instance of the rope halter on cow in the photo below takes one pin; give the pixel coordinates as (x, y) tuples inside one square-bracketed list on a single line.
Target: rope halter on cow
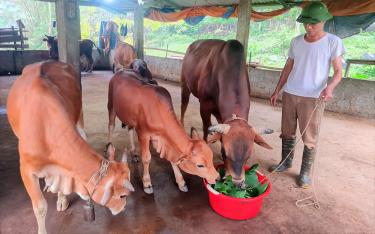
[(225, 127), (235, 117), (94, 180), (180, 160), (98, 175)]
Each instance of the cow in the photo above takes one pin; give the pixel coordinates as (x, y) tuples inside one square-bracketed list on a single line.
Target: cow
[(148, 109), (124, 53), (215, 72), (139, 66), (85, 49), (45, 113), (124, 56)]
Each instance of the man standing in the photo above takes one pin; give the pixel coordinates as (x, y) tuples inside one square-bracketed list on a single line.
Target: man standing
[(305, 77)]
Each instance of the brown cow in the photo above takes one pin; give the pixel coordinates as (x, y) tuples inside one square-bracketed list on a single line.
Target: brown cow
[(124, 56), (124, 53), (45, 113), (148, 109), (215, 72)]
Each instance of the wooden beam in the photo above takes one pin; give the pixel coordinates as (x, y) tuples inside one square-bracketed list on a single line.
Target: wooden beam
[(68, 32), (138, 26), (243, 23)]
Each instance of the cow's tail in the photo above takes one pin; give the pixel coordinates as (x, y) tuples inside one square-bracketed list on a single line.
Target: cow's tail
[(99, 50)]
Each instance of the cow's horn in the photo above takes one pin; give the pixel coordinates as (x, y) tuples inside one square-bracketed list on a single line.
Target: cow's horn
[(220, 128), (128, 185)]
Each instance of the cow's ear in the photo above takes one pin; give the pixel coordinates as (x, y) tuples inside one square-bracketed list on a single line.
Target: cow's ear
[(194, 134), (214, 137), (260, 141), (44, 39)]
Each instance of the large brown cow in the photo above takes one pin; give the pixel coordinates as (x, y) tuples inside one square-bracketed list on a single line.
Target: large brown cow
[(148, 109), (215, 72), (45, 113)]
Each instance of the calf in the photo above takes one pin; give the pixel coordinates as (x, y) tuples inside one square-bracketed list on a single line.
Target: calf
[(148, 109), (45, 112), (215, 72)]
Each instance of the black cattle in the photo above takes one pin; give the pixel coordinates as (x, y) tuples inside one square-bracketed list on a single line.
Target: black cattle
[(85, 49)]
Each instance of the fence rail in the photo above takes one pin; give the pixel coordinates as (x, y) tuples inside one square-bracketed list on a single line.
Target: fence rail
[(356, 61), (254, 65)]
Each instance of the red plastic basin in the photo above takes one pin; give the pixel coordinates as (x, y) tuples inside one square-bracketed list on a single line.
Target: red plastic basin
[(236, 208)]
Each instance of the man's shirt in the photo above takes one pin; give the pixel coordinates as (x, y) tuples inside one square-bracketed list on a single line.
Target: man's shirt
[(312, 61)]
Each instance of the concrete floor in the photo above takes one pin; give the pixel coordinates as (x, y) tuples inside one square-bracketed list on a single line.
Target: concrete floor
[(344, 180)]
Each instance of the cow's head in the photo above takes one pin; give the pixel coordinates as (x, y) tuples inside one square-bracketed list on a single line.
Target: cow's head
[(199, 160), (52, 46), (113, 189), (50, 40), (238, 140), (140, 67)]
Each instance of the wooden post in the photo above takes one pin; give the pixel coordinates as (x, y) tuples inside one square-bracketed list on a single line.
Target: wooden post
[(243, 23), (138, 26), (68, 32)]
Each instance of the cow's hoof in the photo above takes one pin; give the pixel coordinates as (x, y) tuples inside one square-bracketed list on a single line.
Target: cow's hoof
[(62, 203), (148, 190), (184, 188)]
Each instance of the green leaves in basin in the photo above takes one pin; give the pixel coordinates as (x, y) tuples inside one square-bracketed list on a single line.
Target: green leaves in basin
[(252, 186), (221, 172)]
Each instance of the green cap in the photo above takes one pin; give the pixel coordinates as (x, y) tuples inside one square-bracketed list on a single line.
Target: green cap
[(314, 12)]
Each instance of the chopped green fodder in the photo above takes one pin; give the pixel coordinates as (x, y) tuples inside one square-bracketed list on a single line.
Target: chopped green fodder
[(252, 186)]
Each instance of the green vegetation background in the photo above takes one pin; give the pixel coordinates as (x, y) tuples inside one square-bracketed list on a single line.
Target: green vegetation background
[(268, 43)]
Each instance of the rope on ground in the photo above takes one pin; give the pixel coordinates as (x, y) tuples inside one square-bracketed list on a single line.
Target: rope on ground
[(311, 200)]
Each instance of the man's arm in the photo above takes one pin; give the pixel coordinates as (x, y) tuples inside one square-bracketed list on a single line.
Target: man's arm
[(327, 93), (283, 78)]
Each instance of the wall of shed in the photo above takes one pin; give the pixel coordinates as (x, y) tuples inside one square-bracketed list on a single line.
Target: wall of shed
[(12, 62), (355, 97)]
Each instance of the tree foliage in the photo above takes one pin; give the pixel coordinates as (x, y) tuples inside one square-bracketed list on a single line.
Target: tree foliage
[(268, 42)]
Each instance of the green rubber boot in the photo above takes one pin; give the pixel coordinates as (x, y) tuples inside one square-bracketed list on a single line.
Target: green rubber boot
[(304, 180), (287, 149)]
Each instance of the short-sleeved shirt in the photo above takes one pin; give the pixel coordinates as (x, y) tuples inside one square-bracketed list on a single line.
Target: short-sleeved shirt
[(312, 61)]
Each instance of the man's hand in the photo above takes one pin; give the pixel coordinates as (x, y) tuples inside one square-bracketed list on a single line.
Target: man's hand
[(273, 98), (327, 94)]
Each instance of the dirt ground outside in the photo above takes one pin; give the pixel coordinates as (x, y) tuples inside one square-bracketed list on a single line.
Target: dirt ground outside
[(344, 179)]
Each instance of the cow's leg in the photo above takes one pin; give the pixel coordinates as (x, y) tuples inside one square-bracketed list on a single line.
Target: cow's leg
[(38, 201), (185, 96), (206, 119), (146, 159), (62, 202), (90, 61), (132, 146), (111, 122), (179, 178)]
